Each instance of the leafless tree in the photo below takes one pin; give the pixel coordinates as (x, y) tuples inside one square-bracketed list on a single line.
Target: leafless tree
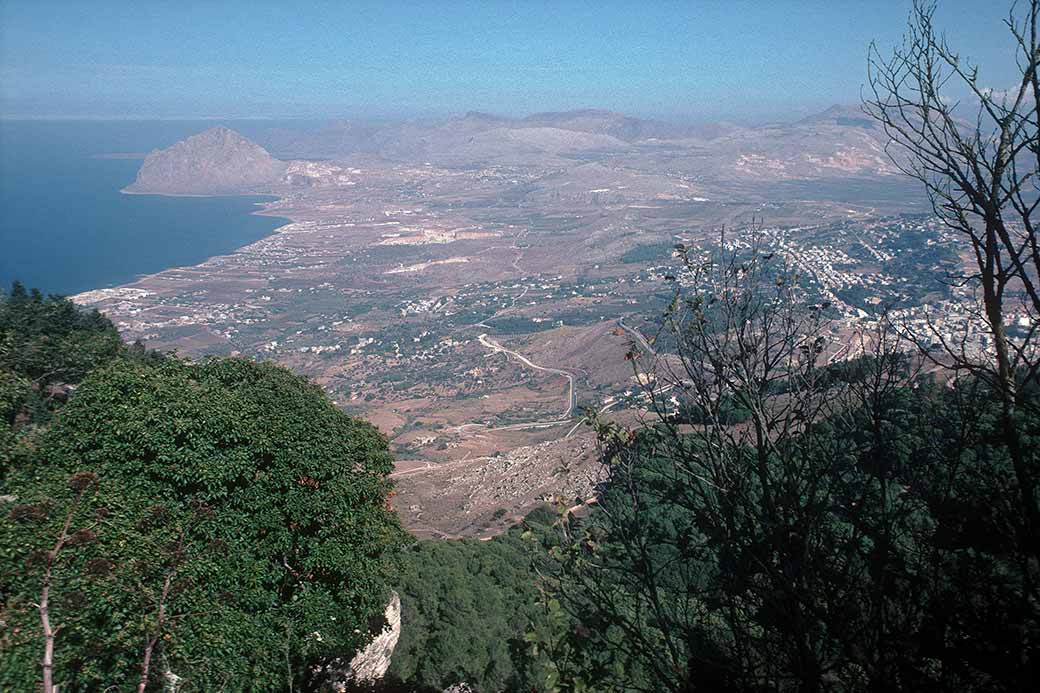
[(975, 148)]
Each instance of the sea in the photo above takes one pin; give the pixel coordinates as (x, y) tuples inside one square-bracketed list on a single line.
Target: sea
[(66, 228)]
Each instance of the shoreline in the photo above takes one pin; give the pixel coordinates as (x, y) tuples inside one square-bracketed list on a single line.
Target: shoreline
[(91, 295), (128, 191), (97, 293)]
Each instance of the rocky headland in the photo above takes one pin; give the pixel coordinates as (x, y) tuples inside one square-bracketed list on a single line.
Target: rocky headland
[(217, 161)]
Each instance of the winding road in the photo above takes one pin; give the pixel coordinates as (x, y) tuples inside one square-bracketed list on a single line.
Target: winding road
[(568, 413)]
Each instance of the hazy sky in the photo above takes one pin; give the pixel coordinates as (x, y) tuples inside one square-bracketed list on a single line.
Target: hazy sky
[(724, 59)]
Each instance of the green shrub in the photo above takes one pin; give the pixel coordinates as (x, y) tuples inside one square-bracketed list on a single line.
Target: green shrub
[(237, 487)]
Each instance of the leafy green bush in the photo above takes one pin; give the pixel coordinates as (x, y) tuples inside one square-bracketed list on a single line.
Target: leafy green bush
[(233, 515)]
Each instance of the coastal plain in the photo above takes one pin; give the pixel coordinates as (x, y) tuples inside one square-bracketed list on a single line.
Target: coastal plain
[(473, 288)]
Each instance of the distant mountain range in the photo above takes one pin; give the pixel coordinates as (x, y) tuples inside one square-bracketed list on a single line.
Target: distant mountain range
[(408, 140), (839, 142)]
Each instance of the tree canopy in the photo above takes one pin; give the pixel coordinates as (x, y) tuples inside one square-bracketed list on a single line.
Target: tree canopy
[(221, 519), (467, 606)]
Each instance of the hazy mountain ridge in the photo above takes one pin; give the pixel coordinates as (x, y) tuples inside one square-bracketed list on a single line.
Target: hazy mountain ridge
[(838, 143)]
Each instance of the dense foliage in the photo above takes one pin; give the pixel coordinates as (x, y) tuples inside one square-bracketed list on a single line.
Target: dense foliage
[(222, 516), (885, 558), (905, 576), (466, 607), (50, 339), (856, 528), (47, 345)]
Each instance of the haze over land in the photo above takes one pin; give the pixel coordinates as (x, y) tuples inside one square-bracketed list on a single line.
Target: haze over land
[(472, 285), (454, 277)]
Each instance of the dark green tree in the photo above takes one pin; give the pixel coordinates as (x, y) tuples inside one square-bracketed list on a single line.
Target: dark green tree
[(466, 607), (47, 345), (50, 340), (978, 159), (854, 530)]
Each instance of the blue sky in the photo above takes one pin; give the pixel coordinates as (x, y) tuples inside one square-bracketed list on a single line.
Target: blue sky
[(706, 60)]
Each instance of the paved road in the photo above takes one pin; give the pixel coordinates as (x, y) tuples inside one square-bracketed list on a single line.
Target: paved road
[(568, 413)]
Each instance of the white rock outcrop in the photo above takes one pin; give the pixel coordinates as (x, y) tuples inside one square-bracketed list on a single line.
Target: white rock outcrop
[(371, 663)]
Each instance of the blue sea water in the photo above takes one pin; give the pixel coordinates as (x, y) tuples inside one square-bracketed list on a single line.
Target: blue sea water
[(66, 228)]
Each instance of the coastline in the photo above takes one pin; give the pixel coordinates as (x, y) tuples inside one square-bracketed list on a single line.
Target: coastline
[(91, 236), (127, 288), (91, 296), (128, 191)]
